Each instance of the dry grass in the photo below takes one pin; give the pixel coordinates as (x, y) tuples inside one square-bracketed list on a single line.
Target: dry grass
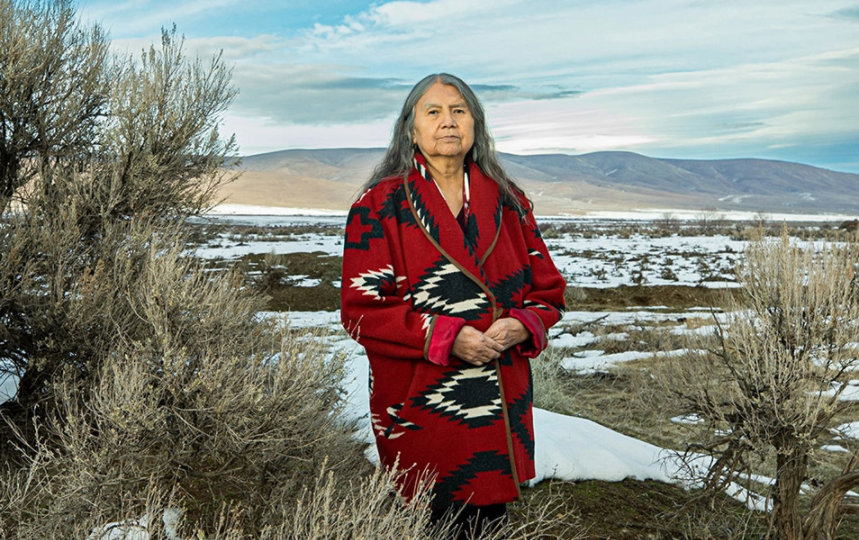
[(194, 402), (238, 432)]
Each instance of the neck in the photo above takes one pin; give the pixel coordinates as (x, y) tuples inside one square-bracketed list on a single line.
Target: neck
[(447, 172)]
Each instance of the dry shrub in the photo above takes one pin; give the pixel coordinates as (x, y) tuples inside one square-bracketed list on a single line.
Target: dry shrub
[(552, 383), (145, 382), (768, 389), (574, 295), (194, 399), (34, 486), (722, 521), (111, 153), (552, 514), (339, 508)]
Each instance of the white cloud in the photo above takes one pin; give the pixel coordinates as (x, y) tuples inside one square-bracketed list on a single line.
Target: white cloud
[(572, 126), (257, 134), (409, 14), (658, 76), (135, 17), (753, 106), (586, 41)]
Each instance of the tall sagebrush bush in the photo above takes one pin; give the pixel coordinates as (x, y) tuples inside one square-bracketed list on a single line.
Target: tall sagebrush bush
[(768, 387), (54, 88), (144, 380), (202, 405), (90, 146)]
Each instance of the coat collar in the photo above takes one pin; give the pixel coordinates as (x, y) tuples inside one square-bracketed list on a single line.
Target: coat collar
[(467, 249)]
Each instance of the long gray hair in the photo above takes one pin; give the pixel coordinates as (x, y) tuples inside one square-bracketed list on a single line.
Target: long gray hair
[(399, 158)]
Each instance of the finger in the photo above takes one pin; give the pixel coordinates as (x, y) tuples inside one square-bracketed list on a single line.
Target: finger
[(489, 355), (494, 345), (494, 336)]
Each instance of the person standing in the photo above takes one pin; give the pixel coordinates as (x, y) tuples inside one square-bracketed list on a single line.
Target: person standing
[(450, 288)]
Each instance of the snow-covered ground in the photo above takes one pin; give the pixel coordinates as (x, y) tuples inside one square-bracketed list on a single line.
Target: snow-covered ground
[(609, 259), (650, 214), (592, 253), (568, 448), (227, 247), (596, 251)]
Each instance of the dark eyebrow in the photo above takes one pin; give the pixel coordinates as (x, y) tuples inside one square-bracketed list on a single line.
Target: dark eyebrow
[(460, 104)]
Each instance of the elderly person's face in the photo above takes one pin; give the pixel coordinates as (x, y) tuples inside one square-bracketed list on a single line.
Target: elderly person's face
[(444, 126)]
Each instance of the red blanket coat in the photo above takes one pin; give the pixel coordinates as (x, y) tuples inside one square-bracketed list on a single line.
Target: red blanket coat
[(412, 277)]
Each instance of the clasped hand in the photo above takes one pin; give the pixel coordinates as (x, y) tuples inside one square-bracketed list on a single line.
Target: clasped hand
[(479, 348)]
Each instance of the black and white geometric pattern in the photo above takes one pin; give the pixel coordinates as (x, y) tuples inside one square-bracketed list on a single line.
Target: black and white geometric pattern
[(426, 322), (377, 283), (445, 489), (396, 206), (469, 396), (505, 289), (535, 253), (445, 290), (506, 358), (426, 218), (387, 429), (471, 233), (533, 304)]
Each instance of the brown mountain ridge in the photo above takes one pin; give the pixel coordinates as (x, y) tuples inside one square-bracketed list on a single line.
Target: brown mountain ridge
[(567, 184)]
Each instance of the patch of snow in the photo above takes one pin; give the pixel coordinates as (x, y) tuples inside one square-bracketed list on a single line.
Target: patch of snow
[(691, 419), (8, 381), (849, 430), (256, 210), (850, 391), (595, 361), (303, 319), (833, 448), (572, 448), (138, 529), (692, 215), (232, 249), (706, 330), (567, 340), (303, 281), (753, 501)]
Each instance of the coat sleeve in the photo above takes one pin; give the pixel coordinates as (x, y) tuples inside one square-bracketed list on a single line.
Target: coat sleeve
[(373, 305), (544, 304)]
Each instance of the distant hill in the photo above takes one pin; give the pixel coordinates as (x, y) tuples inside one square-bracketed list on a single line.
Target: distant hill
[(567, 184)]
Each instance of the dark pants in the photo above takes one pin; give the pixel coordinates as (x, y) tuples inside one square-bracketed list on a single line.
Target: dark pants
[(471, 518)]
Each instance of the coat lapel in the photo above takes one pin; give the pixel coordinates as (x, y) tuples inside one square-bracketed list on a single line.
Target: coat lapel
[(466, 249)]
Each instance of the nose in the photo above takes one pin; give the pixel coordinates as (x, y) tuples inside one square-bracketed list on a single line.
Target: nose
[(447, 118)]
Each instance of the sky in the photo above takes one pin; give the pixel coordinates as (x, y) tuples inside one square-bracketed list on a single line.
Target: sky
[(696, 79)]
